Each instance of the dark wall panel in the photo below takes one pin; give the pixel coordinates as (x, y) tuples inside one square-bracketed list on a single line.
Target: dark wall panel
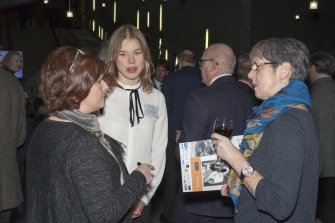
[(240, 23)]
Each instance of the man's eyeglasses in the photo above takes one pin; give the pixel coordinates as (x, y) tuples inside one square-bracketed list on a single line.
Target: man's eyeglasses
[(75, 58), (201, 61), (255, 66)]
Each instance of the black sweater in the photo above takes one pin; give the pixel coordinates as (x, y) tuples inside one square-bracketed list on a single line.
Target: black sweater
[(71, 177)]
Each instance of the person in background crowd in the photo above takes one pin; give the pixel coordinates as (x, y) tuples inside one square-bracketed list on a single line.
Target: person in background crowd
[(12, 62), (322, 91), (275, 172), (75, 173), (12, 134), (176, 88), (243, 69), (161, 71), (135, 112), (223, 97)]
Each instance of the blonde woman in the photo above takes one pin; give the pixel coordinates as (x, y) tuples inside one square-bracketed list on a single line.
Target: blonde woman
[(135, 112)]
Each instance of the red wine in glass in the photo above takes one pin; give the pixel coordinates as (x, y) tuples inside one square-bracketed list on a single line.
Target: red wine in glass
[(225, 132), (222, 126)]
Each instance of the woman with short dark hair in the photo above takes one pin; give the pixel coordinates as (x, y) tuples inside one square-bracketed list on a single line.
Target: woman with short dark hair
[(74, 172)]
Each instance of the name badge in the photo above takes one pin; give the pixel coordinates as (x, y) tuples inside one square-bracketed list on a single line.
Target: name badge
[(151, 111)]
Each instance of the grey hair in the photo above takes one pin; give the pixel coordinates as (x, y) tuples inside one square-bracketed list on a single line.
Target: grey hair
[(8, 57), (280, 50)]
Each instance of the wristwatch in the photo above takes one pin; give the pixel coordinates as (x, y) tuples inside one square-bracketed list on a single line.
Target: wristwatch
[(246, 171)]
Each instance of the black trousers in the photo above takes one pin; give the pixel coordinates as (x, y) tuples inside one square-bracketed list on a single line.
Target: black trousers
[(145, 215), (325, 210), (170, 179), (5, 216), (181, 216)]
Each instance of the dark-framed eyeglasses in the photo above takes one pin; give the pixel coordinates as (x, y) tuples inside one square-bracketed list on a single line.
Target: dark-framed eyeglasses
[(75, 58), (255, 66), (203, 60)]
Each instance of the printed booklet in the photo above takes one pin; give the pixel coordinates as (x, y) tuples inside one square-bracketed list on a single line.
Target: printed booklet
[(200, 168)]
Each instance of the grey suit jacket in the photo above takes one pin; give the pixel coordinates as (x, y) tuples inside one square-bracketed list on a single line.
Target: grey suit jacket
[(322, 93), (12, 135)]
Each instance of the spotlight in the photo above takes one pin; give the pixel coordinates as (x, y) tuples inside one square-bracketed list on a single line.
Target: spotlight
[(69, 13), (313, 5)]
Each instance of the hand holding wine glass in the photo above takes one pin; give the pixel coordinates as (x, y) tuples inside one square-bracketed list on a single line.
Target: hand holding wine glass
[(222, 126)]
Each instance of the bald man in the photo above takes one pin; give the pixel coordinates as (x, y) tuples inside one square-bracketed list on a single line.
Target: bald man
[(223, 97)]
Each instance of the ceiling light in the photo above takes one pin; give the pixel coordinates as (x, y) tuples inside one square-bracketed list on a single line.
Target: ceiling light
[(313, 5), (69, 13)]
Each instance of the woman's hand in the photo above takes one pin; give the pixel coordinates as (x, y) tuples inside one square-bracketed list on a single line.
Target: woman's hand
[(225, 190), (137, 209), (228, 152), (225, 149), (146, 169), (178, 132)]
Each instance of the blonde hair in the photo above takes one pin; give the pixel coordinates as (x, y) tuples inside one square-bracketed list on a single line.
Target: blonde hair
[(111, 50)]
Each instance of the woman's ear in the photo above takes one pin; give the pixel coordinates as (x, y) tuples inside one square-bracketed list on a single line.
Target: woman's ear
[(285, 71)]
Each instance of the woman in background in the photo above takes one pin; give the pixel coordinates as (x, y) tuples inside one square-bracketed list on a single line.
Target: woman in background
[(74, 172), (135, 112), (275, 178)]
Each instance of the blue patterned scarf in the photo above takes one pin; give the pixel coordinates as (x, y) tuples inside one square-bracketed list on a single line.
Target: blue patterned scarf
[(295, 94)]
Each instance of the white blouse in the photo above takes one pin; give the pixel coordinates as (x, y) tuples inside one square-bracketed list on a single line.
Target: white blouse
[(144, 142)]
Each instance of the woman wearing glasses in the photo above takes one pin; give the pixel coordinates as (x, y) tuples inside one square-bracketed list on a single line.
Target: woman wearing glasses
[(74, 172), (135, 112), (275, 178)]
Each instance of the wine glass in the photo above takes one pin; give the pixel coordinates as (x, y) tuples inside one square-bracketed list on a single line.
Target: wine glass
[(222, 126)]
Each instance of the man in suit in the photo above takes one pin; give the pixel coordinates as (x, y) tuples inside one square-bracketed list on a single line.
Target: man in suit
[(161, 70), (322, 91), (176, 87), (12, 135), (223, 97)]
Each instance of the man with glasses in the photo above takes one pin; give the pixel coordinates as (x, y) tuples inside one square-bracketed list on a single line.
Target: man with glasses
[(224, 97)]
